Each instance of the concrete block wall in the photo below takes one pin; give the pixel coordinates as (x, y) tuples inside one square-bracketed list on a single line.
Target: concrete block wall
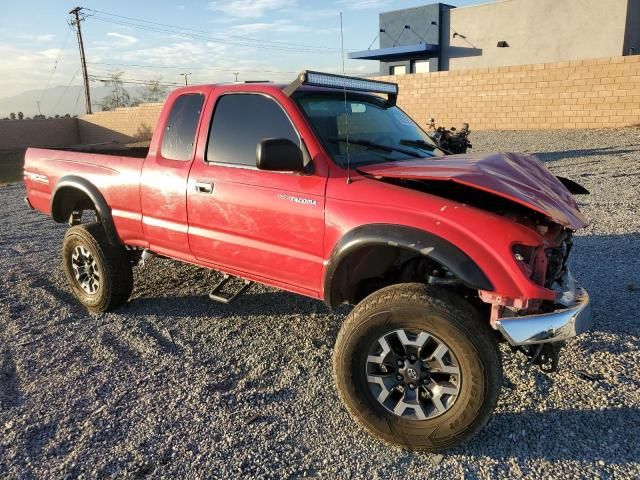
[(122, 125), (53, 132), (595, 93)]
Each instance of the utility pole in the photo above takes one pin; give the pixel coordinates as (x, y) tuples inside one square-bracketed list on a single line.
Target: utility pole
[(185, 75), (87, 96), (236, 75), (38, 104)]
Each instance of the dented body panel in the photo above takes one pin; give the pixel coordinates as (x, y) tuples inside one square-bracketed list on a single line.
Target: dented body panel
[(518, 177)]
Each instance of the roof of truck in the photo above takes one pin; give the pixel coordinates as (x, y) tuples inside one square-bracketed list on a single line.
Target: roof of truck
[(262, 86)]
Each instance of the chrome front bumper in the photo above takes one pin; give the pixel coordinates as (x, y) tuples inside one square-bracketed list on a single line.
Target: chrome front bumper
[(567, 322)]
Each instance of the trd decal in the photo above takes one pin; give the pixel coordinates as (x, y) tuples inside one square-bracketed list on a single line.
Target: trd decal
[(36, 177), (302, 201)]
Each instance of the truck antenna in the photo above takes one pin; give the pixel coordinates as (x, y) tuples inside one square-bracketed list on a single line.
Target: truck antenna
[(346, 110)]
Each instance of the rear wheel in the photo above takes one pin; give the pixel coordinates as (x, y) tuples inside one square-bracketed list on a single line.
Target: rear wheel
[(416, 367), (99, 273)]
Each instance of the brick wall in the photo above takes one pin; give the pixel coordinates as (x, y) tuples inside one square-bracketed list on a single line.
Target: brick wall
[(122, 125), (54, 132), (594, 93)]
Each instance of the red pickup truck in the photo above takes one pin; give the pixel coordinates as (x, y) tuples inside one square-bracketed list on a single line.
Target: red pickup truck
[(326, 188)]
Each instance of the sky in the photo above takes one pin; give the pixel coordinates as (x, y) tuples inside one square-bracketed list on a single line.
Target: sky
[(260, 39)]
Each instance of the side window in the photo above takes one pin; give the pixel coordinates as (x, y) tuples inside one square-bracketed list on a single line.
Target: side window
[(240, 122), (180, 133)]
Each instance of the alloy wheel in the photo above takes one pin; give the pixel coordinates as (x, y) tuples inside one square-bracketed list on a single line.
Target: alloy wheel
[(413, 374)]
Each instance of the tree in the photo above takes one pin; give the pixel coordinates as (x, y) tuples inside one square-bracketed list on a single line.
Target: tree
[(153, 92), (118, 97), (20, 116), (12, 116)]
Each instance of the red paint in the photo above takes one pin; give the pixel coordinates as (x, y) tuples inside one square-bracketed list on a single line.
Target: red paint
[(251, 226)]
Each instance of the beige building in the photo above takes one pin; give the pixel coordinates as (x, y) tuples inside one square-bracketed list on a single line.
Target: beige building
[(509, 32), (540, 31)]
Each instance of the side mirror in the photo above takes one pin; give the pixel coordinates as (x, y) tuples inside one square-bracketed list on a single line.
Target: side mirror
[(279, 155)]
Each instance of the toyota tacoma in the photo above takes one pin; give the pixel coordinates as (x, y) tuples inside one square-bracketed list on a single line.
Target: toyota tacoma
[(324, 187)]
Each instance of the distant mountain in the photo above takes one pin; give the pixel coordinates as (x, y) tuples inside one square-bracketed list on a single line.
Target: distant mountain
[(56, 100)]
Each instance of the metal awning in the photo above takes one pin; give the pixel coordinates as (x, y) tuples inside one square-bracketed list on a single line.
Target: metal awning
[(394, 53)]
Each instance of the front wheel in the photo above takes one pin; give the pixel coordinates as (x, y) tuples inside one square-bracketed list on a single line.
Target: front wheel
[(415, 366)]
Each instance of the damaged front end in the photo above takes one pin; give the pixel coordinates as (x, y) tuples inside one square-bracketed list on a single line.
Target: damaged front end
[(519, 188), (540, 336), (539, 328)]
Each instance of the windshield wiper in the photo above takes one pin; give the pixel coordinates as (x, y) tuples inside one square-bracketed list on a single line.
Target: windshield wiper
[(418, 143), (373, 145)]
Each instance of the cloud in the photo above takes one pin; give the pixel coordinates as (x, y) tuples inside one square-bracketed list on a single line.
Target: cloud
[(363, 4), (46, 37), (177, 54), (51, 53), (180, 7), (249, 8), (259, 27), (32, 70), (319, 14), (124, 40)]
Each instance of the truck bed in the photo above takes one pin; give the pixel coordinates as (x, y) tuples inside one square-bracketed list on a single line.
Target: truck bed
[(115, 172), (109, 149)]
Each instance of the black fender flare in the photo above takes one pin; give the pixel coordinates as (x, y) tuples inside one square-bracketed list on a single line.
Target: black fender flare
[(420, 241), (91, 191)]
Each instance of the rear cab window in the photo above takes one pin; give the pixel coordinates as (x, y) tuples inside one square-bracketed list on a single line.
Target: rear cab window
[(179, 137)]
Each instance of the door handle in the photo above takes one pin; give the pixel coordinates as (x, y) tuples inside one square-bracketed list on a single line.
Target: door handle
[(204, 187)]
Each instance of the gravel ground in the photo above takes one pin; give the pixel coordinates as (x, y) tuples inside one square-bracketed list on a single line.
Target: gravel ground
[(173, 385)]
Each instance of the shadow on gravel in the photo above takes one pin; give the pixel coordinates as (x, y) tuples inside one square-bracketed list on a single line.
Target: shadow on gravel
[(10, 395), (269, 303), (37, 437), (119, 349), (587, 152), (50, 286), (578, 435)]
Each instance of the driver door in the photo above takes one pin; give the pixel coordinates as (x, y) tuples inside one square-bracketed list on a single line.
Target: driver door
[(266, 225)]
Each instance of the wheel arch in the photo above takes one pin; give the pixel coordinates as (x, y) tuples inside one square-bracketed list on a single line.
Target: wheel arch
[(73, 193), (377, 240)]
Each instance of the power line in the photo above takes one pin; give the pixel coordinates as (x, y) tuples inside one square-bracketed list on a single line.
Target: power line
[(199, 68), (193, 67), (242, 37), (76, 104), (133, 81), (55, 64), (65, 91), (245, 43)]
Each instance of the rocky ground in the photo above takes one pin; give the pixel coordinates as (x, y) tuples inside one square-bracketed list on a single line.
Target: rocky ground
[(173, 385)]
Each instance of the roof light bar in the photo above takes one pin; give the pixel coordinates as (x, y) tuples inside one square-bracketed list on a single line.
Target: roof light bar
[(329, 80)]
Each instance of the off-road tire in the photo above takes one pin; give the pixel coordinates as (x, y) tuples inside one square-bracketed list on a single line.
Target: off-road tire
[(112, 265), (445, 315)]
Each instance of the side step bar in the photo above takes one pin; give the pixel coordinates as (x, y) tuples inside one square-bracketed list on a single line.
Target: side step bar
[(219, 294)]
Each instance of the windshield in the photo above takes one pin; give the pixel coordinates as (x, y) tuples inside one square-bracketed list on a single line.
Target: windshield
[(377, 132)]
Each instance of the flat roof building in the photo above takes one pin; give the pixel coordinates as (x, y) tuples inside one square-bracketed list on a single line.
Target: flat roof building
[(510, 32)]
